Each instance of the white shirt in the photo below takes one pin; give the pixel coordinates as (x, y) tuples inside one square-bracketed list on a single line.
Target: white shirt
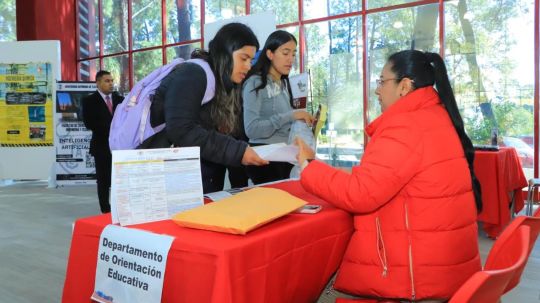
[(104, 97)]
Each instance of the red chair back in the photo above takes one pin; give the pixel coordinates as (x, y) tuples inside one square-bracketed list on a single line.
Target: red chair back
[(489, 285), (500, 257), (504, 265), (343, 300)]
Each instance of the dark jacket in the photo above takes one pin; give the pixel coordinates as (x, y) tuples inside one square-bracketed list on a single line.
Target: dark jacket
[(97, 118), (190, 124)]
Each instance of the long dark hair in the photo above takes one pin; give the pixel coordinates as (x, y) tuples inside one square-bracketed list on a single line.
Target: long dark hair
[(226, 108), (428, 69), (262, 67)]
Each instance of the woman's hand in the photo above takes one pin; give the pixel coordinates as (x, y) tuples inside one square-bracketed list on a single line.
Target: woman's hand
[(251, 158), (304, 151), (301, 114)]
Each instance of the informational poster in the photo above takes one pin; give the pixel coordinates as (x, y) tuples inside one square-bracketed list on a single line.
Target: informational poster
[(26, 109), (131, 265), (74, 164), (154, 184)]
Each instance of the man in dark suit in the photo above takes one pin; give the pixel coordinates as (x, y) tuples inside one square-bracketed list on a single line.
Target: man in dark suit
[(98, 109)]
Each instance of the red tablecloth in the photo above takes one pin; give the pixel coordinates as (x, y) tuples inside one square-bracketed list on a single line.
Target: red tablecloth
[(500, 174), (288, 260)]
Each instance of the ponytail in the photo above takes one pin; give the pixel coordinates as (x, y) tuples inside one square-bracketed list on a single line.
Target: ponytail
[(428, 69), (442, 84)]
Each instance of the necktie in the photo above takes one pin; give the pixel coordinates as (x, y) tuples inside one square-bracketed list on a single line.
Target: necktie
[(109, 103)]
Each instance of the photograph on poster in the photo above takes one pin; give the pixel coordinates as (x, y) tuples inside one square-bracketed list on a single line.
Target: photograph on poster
[(36, 113), (37, 132), (25, 98), (69, 105)]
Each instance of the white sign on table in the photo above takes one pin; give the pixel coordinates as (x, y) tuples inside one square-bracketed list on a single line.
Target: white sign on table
[(131, 265), (154, 184)]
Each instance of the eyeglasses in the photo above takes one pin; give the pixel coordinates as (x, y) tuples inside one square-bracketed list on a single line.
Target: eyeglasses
[(380, 82)]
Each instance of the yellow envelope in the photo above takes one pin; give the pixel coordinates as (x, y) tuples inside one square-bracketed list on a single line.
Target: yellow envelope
[(242, 212)]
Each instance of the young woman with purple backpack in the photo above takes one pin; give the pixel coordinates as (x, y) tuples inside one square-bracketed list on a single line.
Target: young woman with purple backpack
[(216, 126)]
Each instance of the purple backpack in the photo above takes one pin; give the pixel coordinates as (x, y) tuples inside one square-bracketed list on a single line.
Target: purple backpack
[(131, 121)]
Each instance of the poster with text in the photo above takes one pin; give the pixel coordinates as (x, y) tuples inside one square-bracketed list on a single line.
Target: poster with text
[(26, 105), (74, 164)]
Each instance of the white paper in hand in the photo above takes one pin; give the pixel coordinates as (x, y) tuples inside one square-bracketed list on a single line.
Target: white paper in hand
[(278, 152)]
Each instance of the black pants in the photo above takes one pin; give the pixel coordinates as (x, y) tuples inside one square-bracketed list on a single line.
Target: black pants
[(272, 172), (103, 176), (238, 177), (213, 176)]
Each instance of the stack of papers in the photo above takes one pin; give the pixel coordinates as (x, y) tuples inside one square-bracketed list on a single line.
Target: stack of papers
[(278, 152), (220, 195)]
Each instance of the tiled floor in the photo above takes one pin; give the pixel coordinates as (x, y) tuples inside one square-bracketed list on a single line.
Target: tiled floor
[(35, 235)]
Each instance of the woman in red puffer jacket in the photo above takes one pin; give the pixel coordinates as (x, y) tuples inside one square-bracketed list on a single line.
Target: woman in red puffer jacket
[(414, 196)]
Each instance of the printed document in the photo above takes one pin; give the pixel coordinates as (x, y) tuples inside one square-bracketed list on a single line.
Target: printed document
[(154, 184)]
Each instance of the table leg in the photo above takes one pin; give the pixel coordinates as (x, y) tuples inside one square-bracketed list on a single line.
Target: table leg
[(512, 204)]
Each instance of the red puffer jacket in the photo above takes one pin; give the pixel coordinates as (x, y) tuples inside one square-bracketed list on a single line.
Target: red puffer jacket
[(415, 217)]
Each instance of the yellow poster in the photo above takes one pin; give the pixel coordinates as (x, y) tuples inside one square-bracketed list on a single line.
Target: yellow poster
[(26, 108)]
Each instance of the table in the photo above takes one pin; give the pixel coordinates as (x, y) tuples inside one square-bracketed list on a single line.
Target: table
[(500, 174), (288, 260)]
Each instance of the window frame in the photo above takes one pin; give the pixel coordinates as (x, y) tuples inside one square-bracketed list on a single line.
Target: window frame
[(300, 23)]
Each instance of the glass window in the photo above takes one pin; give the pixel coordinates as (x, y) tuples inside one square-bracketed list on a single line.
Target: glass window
[(88, 70), (145, 62), (119, 68), (333, 57), (286, 11), (384, 3), (183, 20), (146, 23), (115, 26), (320, 9), (489, 50), (88, 19), (396, 30), (182, 51), (8, 28), (223, 9)]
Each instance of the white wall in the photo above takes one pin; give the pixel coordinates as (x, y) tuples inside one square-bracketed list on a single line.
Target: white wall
[(30, 162), (262, 25)]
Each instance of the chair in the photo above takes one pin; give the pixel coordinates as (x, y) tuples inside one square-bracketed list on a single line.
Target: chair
[(488, 286), (533, 184), (499, 256)]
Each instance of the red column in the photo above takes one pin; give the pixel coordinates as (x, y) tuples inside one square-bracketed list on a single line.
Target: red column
[(51, 20)]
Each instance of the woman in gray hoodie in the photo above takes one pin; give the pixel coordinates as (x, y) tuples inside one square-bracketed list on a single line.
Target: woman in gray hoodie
[(268, 104)]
